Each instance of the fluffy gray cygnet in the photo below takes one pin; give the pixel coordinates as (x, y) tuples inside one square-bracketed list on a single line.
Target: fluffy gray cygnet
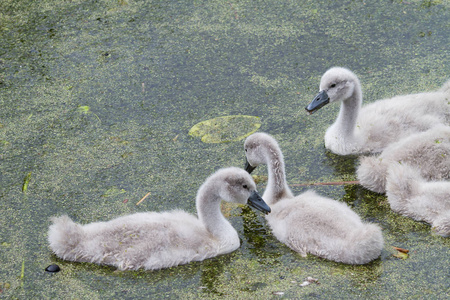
[(428, 152), (373, 127), (309, 223), (153, 240), (411, 195)]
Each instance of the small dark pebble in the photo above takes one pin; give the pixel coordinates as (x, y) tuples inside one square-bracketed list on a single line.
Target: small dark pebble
[(52, 269)]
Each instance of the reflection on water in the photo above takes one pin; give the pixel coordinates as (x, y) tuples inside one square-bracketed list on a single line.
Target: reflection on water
[(264, 251), (259, 238), (344, 166), (212, 270), (361, 275)]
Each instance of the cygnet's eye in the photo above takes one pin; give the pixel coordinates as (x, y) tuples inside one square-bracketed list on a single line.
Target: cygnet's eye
[(333, 85), (245, 186), (245, 149)]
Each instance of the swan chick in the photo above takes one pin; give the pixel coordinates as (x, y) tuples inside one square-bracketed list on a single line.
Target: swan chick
[(309, 223), (427, 151), (376, 125), (409, 194), (156, 240)]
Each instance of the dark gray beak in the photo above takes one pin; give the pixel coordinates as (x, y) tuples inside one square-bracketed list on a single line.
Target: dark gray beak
[(320, 100), (257, 202), (249, 168)]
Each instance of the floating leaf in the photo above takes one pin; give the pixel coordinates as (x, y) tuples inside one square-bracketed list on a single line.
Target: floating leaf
[(225, 129), (401, 255), (84, 109), (26, 181)]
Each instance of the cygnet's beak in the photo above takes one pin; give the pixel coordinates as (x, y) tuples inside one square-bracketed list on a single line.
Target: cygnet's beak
[(257, 202), (248, 167), (320, 100)]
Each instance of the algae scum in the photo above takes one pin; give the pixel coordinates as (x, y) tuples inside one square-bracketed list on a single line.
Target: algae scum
[(97, 101)]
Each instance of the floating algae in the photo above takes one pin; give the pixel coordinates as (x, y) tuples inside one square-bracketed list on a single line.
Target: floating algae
[(225, 129), (26, 181)]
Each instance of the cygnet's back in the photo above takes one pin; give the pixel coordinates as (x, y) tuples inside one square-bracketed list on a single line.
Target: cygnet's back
[(427, 151), (313, 224)]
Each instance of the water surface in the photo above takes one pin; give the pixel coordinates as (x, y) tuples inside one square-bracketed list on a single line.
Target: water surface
[(97, 99)]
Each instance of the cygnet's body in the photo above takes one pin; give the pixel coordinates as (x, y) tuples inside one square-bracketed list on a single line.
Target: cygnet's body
[(376, 125), (309, 223), (154, 240), (428, 152), (411, 195)]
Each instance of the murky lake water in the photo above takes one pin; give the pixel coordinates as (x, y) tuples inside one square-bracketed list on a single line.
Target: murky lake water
[(97, 99)]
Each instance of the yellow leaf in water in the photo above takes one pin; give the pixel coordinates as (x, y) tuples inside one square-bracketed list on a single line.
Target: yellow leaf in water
[(401, 255), (225, 129)]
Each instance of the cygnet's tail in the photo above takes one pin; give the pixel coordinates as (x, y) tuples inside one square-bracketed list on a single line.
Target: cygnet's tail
[(372, 174), (364, 246), (445, 87), (64, 237), (402, 183), (441, 225)]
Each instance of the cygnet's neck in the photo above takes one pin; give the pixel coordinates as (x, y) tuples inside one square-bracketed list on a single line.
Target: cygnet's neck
[(348, 113), (341, 137), (277, 187), (208, 209)]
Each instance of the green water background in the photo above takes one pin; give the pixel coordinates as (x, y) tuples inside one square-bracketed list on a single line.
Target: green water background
[(97, 99)]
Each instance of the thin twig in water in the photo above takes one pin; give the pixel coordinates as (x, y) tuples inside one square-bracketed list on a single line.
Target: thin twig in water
[(400, 249), (143, 198)]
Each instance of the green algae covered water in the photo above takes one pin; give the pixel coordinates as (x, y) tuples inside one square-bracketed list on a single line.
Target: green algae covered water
[(97, 99)]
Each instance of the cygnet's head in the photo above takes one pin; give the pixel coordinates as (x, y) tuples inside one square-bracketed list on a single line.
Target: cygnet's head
[(237, 186), (337, 84), (258, 148)]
